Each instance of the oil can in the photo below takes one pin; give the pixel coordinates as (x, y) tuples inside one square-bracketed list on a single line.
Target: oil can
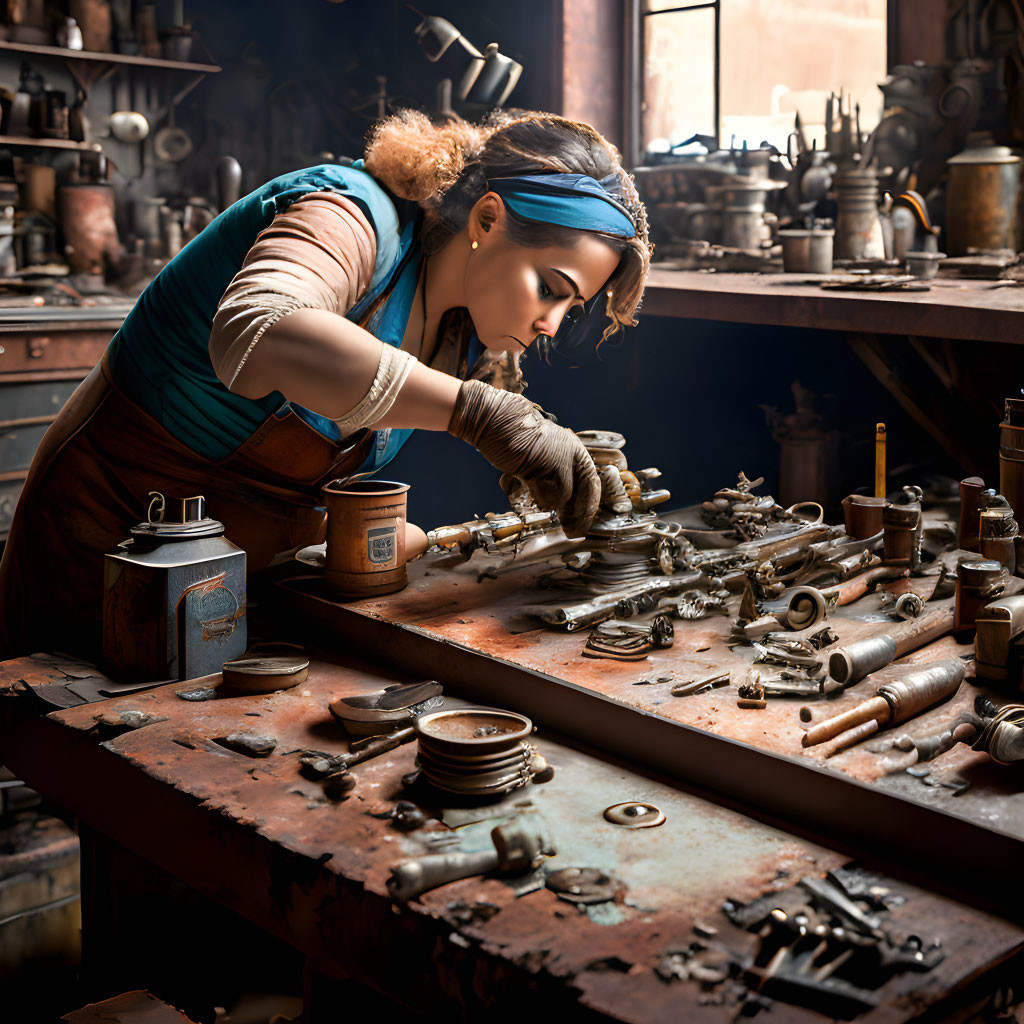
[(173, 595)]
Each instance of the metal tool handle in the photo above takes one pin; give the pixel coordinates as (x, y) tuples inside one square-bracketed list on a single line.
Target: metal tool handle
[(876, 708), (413, 877)]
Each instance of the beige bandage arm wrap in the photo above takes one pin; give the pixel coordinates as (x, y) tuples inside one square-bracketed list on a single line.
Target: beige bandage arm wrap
[(317, 254), (395, 366)]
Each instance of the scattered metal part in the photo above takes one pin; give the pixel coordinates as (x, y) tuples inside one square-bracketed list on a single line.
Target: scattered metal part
[(265, 673), (198, 694), (250, 744), (517, 850), (634, 814), (624, 641), (584, 886), (823, 638), (740, 510), (826, 943), (367, 714), (407, 816), (751, 693), (317, 765), (694, 686), (697, 604), (110, 724), (902, 606), (852, 662)]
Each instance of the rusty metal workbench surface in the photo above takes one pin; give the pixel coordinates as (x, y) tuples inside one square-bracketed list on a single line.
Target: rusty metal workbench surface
[(471, 633), (968, 310), (147, 771)]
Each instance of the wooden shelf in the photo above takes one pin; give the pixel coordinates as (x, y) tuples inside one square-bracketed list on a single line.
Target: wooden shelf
[(88, 56), (25, 141)]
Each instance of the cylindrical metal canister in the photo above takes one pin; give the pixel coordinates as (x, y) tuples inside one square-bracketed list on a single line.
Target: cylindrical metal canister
[(366, 537), (999, 624), (981, 200), (901, 525), (997, 533), (922, 687), (978, 582), (852, 662), (1011, 455), (862, 514), (86, 215), (858, 229), (796, 250), (822, 243)]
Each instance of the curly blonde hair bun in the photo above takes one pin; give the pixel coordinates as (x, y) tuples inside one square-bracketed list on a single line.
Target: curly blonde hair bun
[(418, 159)]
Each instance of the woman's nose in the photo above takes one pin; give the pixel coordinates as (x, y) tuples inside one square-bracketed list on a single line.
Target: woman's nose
[(548, 322)]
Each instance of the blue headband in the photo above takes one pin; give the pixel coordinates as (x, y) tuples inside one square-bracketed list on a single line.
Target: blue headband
[(570, 200)]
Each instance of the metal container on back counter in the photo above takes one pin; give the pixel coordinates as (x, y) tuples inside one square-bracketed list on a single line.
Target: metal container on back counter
[(858, 228), (173, 596), (1011, 455), (978, 582), (901, 525), (981, 199)]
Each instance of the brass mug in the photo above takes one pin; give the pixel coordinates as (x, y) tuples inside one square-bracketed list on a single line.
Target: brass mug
[(862, 514), (366, 537)]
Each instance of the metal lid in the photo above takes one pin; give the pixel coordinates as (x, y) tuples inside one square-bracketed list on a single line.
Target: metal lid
[(985, 155), (170, 519)]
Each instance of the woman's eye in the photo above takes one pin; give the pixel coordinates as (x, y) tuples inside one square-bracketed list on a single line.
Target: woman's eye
[(543, 290)]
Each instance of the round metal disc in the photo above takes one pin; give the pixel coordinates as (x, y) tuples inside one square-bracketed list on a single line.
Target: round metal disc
[(634, 814)]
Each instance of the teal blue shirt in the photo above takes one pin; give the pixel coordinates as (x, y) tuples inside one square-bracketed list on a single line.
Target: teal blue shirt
[(160, 357)]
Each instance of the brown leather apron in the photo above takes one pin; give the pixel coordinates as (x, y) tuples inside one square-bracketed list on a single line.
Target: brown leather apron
[(89, 483)]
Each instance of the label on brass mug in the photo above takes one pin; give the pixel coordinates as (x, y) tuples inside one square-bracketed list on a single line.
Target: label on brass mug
[(380, 544)]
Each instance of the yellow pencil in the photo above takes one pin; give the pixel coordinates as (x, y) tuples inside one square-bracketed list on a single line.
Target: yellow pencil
[(879, 460)]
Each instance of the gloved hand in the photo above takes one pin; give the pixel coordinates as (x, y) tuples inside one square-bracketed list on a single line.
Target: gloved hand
[(515, 437)]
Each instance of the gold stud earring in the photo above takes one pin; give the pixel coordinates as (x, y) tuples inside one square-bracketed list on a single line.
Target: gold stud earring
[(475, 244)]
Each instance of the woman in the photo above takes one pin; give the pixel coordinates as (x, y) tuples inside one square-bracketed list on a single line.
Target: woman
[(305, 333)]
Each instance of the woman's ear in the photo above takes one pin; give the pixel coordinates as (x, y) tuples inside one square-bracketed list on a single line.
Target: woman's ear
[(488, 212)]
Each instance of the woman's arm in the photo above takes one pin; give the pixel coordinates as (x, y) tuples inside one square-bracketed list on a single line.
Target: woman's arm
[(280, 325), (327, 363)]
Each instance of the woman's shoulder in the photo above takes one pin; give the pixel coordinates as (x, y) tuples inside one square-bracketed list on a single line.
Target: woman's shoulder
[(348, 179)]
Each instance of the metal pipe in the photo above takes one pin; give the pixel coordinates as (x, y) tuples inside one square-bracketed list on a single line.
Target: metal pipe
[(850, 664)]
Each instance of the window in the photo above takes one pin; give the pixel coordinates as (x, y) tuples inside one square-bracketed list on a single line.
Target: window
[(739, 70)]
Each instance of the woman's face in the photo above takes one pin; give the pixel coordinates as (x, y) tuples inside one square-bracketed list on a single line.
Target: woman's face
[(514, 293)]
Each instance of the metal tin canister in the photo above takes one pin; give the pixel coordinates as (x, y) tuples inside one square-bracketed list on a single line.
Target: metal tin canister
[(978, 582), (1011, 455), (366, 537), (999, 624), (997, 537), (981, 200), (901, 525)]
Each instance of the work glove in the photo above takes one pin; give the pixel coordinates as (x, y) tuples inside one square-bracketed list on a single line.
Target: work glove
[(515, 437)]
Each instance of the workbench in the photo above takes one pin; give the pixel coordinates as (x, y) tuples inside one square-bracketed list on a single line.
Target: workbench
[(964, 811), (146, 771)]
